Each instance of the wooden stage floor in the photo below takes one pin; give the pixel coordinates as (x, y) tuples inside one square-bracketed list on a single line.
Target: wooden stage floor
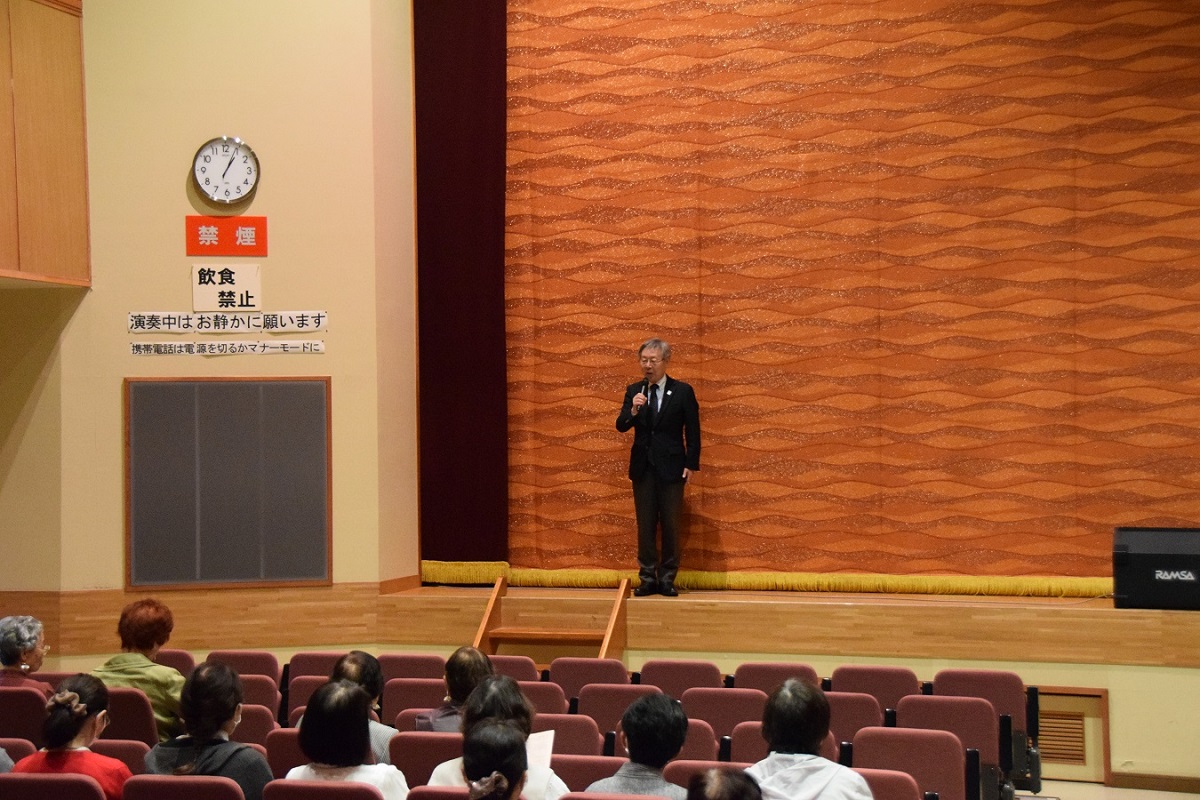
[(877, 626)]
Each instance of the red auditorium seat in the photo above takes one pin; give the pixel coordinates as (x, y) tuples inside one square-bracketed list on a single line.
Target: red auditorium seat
[(674, 676)]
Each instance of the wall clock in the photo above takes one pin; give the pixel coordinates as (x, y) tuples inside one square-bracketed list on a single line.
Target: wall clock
[(225, 170)]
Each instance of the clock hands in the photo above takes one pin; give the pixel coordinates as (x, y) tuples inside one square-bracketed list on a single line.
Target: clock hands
[(221, 188)]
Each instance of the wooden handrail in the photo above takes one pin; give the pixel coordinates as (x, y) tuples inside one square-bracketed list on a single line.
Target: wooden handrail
[(616, 633), (491, 618), (610, 640)]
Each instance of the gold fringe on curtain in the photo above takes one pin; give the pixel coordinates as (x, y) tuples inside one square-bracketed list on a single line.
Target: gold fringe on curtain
[(1017, 586), (468, 572), (463, 572)]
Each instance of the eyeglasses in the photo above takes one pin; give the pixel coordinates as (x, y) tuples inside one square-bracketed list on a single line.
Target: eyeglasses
[(648, 362)]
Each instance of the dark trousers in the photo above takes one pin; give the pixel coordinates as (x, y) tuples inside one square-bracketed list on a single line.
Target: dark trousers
[(656, 501)]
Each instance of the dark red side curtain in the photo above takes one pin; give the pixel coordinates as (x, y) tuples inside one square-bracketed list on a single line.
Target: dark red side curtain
[(460, 142)]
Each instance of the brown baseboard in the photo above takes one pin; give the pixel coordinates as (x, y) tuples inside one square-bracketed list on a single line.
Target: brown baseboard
[(1156, 783)]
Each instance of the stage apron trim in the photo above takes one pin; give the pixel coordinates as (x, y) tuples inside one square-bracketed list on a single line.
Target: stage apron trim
[(486, 572)]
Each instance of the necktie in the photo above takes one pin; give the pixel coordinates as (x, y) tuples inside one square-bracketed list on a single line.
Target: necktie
[(652, 404)]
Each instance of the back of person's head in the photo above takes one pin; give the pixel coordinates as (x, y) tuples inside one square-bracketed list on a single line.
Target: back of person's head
[(362, 668), (494, 760), (334, 730), (723, 784), (209, 699), (18, 635), (655, 727), (465, 669), (796, 718), (498, 696), (144, 625), (78, 699)]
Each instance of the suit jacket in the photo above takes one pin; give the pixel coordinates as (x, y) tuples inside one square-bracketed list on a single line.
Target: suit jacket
[(674, 441)]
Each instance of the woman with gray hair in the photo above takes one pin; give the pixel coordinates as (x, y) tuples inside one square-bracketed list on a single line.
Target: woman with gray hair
[(22, 649)]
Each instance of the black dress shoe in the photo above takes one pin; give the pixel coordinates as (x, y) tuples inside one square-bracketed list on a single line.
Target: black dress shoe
[(668, 590), (645, 590)]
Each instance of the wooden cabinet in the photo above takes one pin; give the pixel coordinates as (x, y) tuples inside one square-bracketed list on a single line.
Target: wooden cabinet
[(43, 150)]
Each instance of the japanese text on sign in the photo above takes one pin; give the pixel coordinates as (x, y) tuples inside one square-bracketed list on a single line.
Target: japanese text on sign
[(297, 347), (227, 288), (219, 322), (226, 236)]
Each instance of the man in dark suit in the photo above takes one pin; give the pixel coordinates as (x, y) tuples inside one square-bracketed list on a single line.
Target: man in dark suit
[(665, 418)]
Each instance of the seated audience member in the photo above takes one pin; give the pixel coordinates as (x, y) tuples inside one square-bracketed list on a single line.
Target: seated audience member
[(76, 716), (795, 723), (212, 707), (145, 626), (652, 731), (498, 697), (336, 737), (22, 648), (363, 669), (465, 668), (723, 784), (494, 761)]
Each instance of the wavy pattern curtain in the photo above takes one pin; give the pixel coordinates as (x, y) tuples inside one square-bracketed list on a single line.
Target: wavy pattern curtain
[(932, 267)]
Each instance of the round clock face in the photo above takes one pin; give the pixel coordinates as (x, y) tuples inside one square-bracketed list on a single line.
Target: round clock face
[(225, 170)]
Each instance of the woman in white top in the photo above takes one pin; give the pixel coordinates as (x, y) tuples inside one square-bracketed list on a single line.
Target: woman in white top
[(499, 698), (494, 761), (336, 737)]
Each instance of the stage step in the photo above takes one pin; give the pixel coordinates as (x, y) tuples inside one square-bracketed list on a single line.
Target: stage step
[(513, 635), (541, 641)]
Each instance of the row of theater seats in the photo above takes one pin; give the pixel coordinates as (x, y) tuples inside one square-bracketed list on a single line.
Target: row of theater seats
[(887, 684), (944, 762), (416, 755), (885, 785), (23, 711), (582, 700), (193, 787)]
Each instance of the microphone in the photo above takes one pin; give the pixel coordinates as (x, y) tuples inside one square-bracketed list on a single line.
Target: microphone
[(646, 387)]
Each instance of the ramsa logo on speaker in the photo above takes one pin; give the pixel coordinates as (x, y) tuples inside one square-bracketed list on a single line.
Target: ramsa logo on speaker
[(1174, 575)]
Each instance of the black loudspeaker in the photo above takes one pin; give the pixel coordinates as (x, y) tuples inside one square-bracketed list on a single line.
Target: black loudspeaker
[(1156, 568)]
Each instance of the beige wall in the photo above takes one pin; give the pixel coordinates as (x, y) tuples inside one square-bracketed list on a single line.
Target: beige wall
[(322, 90), (395, 284), (30, 433)]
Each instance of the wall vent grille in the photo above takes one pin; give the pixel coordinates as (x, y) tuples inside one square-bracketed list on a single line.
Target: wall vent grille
[(1061, 737)]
